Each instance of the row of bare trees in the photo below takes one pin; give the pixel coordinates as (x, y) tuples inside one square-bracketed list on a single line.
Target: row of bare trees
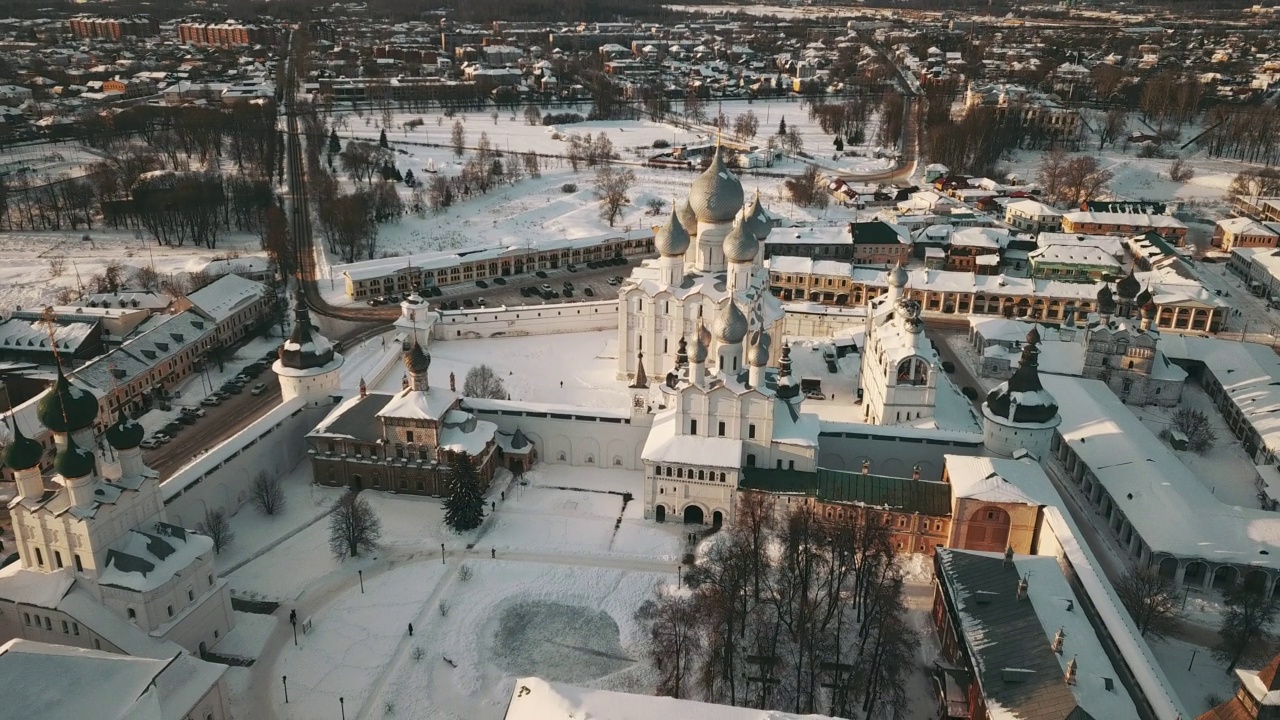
[(1249, 134), (788, 611), (1071, 179)]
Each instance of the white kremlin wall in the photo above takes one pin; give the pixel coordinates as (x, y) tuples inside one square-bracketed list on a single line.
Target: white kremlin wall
[(526, 320)]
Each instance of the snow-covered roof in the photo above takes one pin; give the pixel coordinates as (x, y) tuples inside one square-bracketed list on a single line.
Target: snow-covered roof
[(666, 444), (1245, 226), (225, 296), (53, 682), (29, 587), (1122, 219), (1063, 254), (993, 479), (1010, 637), (18, 335), (1110, 244), (1248, 373), (536, 699), (58, 681), (429, 404), (1167, 505), (1032, 208), (463, 433), (146, 561)]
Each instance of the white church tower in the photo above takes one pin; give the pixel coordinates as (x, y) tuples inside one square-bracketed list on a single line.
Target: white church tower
[(899, 366), (416, 320), (308, 366)]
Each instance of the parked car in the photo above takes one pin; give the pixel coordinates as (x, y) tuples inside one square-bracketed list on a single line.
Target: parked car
[(615, 280), (568, 284), (499, 281), (948, 366), (258, 389), (482, 284), (571, 267), (469, 303), (193, 411), (375, 302), (969, 392), (186, 419), (568, 292), (151, 443), (172, 428), (211, 401), (231, 388), (588, 292), (160, 437), (481, 301), (541, 274), (453, 304), (546, 287)]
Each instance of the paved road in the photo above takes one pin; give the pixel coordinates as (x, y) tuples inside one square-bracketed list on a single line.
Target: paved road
[(963, 375), (219, 423)]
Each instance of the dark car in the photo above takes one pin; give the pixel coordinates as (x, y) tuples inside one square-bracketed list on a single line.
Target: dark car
[(969, 392), (469, 303), (948, 366), (499, 281), (481, 284), (453, 304), (541, 274), (375, 302), (568, 292), (568, 285), (588, 292)]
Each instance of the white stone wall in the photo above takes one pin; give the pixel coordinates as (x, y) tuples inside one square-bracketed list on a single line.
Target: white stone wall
[(578, 438), (315, 390), (526, 320), (1002, 440), (273, 445)]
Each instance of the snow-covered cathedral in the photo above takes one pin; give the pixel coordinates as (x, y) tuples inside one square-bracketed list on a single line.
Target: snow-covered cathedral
[(710, 266), (99, 565)]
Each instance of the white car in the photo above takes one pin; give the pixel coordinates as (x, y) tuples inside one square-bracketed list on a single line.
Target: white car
[(258, 389), (150, 443)]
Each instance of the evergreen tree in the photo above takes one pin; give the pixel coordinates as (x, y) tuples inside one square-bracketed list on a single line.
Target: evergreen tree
[(464, 506), (839, 143), (782, 126), (409, 180), (382, 138), (335, 145)]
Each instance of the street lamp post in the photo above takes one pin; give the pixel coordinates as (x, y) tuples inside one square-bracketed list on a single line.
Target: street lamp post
[(442, 553), (361, 574), (285, 679), (293, 620), (342, 704)]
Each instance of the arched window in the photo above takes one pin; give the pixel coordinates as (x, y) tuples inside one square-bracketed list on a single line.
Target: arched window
[(913, 371), (680, 472), (700, 475)]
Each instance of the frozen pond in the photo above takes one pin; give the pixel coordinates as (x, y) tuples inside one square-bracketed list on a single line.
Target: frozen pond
[(565, 643)]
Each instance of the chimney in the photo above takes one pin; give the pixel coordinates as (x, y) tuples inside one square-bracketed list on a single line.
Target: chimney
[(1008, 556), (363, 390), (915, 472), (1057, 640), (1022, 588), (1071, 671), (866, 468)]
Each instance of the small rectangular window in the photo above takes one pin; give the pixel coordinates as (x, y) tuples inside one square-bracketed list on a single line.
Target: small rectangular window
[(721, 428), (751, 431)]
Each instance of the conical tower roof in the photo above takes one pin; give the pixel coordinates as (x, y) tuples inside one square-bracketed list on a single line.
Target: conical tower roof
[(716, 195), (66, 408), (758, 351), (22, 452), (897, 276), (701, 344), (757, 219), (1106, 300), (787, 387), (642, 379), (305, 348), (687, 217), (1023, 398)]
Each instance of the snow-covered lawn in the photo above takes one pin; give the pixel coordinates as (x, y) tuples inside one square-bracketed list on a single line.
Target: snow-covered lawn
[(27, 281), (353, 639), (541, 518), (1207, 679), (493, 626), (254, 530), (1226, 469), (532, 368), (248, 636)]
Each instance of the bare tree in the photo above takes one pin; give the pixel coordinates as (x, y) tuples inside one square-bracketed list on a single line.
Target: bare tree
[(532, 114), (218, 528), (1083, 178), (1180, 171), (1195, 425), (483, 382), (266, 494), (746, 125), (1246, 624), (674, 640), (56, 265), (1151, 599), (1051, 174), (1112, 127), (808, 188), (353, 527), (612, 186)]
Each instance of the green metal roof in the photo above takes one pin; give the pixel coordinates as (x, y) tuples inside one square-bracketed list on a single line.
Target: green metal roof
[(904, 494), (873, 232)]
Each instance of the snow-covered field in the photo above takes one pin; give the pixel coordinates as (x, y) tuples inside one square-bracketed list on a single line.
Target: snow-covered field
[(532, 368), (533, 211), (26, 279), (1206, 679)]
